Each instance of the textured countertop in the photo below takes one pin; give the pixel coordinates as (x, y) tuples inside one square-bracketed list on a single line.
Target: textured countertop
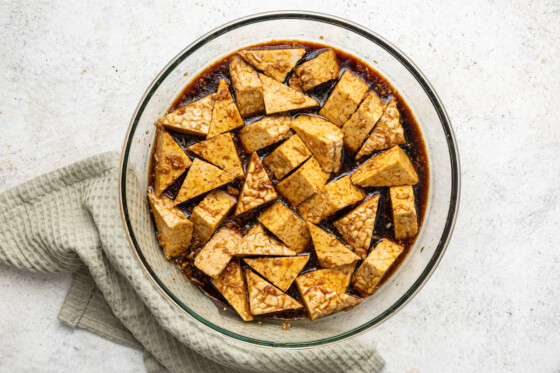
[(72, 73)]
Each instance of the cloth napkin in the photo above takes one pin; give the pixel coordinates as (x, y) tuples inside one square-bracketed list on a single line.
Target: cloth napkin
[(69, 220)]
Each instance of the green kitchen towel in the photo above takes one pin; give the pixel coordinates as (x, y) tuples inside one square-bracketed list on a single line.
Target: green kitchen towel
[(70, 218), (85, 307)]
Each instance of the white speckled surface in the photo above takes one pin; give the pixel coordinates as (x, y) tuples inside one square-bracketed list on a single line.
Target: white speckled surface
[(72, 74)]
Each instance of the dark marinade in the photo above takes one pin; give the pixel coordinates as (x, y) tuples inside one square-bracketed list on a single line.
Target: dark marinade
[(207, 83)]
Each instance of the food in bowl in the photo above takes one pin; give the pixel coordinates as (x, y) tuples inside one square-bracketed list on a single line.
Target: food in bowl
[(289, 179)]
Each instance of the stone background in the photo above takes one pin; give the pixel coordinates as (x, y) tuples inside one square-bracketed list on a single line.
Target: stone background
[(71, 74)]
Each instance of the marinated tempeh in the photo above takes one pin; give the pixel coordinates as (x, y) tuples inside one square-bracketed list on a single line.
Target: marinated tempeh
[(287, 157), (276, 63), (281, 271), (323, 139), (344, 98), (356, 227), (220, 151), (201, 178), (404, 211), (377, 263), (258, 188), (265, 298), (285, 225), (225, 116), (336, 279), (170, 161), (304, 182), (264, 132), (210, 212), (174, 229), (239, 181), (390, 168), (332, 197), (231, 284), (217, 253), (321, 302), (388, 132), (323, 291), (330, 251), (193, 119), (316, 71), (279, 98), (257, 242), (248, 87), (358, 127)]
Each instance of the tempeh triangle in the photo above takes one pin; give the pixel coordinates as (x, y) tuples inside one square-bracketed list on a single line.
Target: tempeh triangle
[(323, 290), (281, 271), (258, 188), (221, 151), (231, 284), (193, 119), (387, 132), (356, 227), (202, 178), (257, 242), (171, 161), (335, 279), (276, 63), (279, 98), (392, 167), (319, 302), (265, 298), (330, 251), (225, 116)]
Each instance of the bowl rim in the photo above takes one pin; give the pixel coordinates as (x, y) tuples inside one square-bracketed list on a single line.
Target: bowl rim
[(434, 99)]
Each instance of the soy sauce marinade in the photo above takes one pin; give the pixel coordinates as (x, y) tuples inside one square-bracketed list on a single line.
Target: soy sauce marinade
[(207, 83)]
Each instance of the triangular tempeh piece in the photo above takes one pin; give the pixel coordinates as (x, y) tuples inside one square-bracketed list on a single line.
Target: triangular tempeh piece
[(335, 279), (193, 119), (257, 242), (216, 254), (319, 302), (202, 178), (276, 63), (247, 86), (174, 229), (265, 298), (258, 188), (330, 251), (387, 132), (375, 266), (171, 161), (221, 151), (225, 116), (358, 127), (231, 284), (279, 98), (356, 227), (323, 138), (281, 271), (392, 167)]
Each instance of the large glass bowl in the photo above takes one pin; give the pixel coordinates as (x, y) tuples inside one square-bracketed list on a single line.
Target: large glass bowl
[(404, 76)]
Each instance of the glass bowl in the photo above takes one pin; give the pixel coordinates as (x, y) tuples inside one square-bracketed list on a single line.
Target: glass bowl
[(443, 198)]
